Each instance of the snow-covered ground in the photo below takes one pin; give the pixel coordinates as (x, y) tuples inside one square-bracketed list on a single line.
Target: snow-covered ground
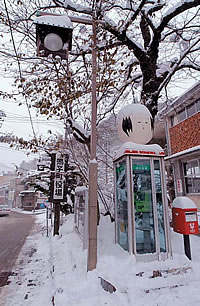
[(52, 271)]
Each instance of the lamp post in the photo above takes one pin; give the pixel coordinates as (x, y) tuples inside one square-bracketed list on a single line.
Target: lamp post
[(92, 219), (45, 44)]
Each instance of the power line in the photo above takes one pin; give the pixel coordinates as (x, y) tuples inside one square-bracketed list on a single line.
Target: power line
[(11, 117), (19, 66)]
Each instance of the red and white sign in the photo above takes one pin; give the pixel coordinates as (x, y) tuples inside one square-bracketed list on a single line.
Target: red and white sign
[(179, 186)]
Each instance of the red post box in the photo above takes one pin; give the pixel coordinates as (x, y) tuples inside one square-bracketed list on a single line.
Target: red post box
[(184, 216)]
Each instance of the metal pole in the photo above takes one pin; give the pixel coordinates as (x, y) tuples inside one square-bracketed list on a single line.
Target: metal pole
[(56, 218), (92, 203), (187, 246), (47, 223)]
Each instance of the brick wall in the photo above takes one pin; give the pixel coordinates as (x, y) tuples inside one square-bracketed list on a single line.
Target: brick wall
[(186, 134)]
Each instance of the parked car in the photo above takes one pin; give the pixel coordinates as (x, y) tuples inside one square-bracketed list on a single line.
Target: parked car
[(4, 210)]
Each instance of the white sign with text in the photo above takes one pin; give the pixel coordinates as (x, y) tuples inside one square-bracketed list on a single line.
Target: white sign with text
[(58, 193)]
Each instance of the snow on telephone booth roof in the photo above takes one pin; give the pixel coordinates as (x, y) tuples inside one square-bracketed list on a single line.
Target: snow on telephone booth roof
[(183, 203), (131, 148), (57, 21)]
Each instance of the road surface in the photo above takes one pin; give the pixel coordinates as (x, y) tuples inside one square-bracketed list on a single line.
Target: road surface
[(13, 232)]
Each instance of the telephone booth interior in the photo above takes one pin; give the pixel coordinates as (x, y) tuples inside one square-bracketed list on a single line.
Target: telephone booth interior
[(141, 210)]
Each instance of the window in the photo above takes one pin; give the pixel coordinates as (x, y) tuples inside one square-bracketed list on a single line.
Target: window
[(182, 115), (195, 167), (143, 206), (191, 110), (172, 120), (187, 112), (198, 105), (122, 205), (28, 204), (192, 176), (159, 204)]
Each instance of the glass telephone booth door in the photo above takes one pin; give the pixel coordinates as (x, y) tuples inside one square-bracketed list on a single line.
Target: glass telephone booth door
[(141, 212)]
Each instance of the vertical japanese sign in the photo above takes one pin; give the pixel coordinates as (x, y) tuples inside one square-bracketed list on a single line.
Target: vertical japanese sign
[(179, 186), (58, 193)]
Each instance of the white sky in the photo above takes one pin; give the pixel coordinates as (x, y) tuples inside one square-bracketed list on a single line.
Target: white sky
[(18, 123)]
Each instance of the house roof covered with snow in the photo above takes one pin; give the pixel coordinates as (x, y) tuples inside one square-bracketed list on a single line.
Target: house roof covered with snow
[(185, 99)]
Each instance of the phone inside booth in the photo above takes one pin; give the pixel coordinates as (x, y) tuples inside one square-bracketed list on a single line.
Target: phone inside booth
[(143, 206)]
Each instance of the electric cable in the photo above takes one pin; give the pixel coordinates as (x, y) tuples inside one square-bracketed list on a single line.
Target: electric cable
[(19, 66)]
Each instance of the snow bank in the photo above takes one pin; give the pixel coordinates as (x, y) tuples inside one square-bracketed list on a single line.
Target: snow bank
[(57, 271)]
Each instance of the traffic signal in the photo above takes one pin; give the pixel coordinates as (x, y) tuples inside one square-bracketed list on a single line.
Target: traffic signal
[(53, 35)]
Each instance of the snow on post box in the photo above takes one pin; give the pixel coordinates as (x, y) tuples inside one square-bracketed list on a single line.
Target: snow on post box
[(184, 216)]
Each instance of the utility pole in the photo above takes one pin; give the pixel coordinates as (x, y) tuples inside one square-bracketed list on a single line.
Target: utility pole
[(92, 220)]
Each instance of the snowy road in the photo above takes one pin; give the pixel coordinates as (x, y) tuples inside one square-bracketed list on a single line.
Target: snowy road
[(13, 232)]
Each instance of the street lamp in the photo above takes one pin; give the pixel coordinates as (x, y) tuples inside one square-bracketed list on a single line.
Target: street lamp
[(53, 33)]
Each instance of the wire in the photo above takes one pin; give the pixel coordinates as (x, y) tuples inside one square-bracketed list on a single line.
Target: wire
[(19, 66), (11, 117)]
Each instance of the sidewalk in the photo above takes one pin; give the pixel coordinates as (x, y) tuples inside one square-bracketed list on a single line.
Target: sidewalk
[(52, 271)]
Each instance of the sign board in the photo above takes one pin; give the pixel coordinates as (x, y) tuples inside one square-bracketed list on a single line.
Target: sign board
[(179, 186), (58, 193), (190, 216)]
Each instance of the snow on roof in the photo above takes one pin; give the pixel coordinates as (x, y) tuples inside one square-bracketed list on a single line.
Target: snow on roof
[(185, 96), (139, 149), (59, 21), (139, 109), (183, 202), (80, 189), (190, 150), (27, 191)]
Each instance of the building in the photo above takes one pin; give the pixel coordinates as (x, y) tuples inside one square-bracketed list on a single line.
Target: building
[(15, 187), (5, 180), (182, 118), (32, 200)]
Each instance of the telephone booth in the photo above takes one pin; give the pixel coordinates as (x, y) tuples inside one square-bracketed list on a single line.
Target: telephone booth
[(141, 209)]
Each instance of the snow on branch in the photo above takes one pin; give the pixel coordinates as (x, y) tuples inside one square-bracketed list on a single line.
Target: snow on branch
[(68, 4), (176, 10), (127, 40), (79, 133), (179, 64), (133, 16)]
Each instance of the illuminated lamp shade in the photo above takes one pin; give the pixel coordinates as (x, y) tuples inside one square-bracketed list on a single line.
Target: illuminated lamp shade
[(134, 124), (53, 42)]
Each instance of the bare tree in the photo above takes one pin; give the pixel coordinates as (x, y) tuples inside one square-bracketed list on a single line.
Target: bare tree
[(142, 48), (161, 38)]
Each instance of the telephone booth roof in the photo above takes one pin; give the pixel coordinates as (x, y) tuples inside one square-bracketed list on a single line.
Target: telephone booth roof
[(131, 148)]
